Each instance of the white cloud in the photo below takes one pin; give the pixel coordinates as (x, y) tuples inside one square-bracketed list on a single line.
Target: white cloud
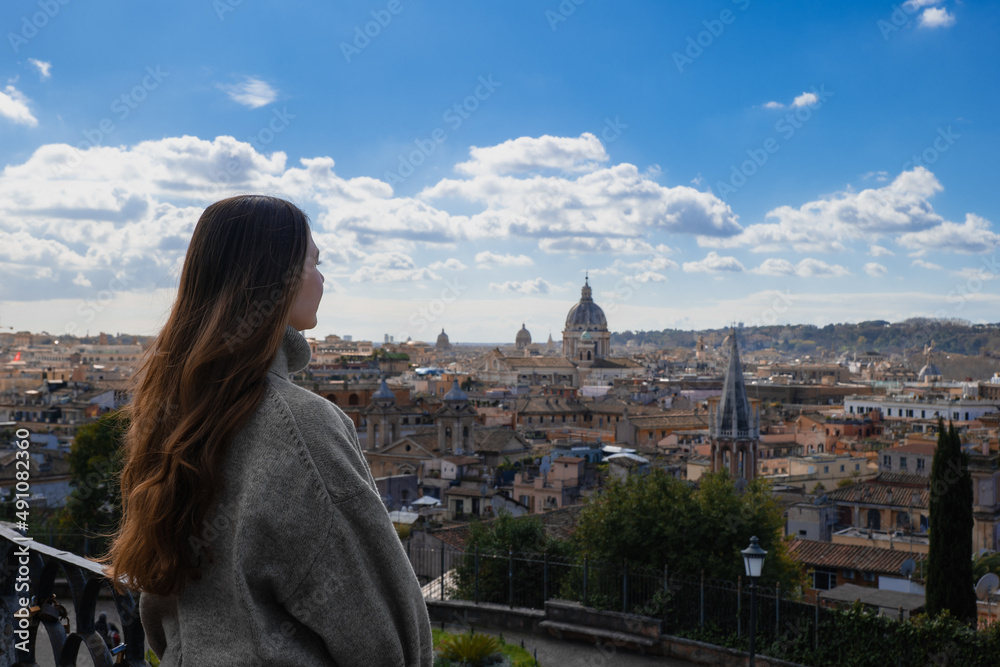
[(713, 263), (530, 154), (14, 107), (806, 268), (875, 270), (880, 176), (586, 212), (647, 277), (913, 5), (111, 209), (251, 92), (487, 259), (44, 68), (879, 251), (536, 286), (804, 100), (829, 223), (974, 236), (936, 17), (927, 265), (976, 273), (450, 264), (386, 267)]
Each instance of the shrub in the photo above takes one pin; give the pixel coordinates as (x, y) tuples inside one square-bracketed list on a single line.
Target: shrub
[(475, 649)]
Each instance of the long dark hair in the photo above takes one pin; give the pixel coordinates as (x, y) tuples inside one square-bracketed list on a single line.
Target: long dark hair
[(201, 380)]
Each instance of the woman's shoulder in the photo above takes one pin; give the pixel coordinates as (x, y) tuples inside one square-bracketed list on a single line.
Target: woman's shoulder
[(326, 436)]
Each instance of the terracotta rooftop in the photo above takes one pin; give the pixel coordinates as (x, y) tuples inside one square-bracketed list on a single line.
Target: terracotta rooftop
[(851, 556), (888, 495), (922, 448), (497, 440)]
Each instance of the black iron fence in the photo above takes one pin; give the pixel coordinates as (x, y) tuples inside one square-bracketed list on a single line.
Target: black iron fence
[(30, 574), (693, 606)]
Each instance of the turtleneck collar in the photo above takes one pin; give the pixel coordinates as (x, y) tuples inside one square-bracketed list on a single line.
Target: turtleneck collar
[(293, 355)]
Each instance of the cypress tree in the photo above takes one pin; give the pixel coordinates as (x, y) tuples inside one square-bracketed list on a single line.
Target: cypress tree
[(949, 563)]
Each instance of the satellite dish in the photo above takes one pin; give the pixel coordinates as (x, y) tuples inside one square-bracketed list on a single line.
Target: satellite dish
[(483, 490), (987, 585), (908, 567)]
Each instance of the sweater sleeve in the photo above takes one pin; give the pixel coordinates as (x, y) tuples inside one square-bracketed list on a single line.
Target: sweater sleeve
[(354, 586), (360, 594)]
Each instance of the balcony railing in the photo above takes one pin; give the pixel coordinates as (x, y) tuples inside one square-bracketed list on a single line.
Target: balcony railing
[(29, 574)]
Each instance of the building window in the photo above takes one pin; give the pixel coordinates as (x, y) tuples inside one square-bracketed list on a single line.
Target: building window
[(841, 468), (902, 463), (849, 574), (920, 464), (826, 469), (870, 577), (887, 461), (824, 579)]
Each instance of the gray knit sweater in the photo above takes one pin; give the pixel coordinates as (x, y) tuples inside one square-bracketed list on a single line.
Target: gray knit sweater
[(307, 567)]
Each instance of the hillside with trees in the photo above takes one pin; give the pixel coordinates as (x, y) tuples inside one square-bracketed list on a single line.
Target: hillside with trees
[(909, 338)]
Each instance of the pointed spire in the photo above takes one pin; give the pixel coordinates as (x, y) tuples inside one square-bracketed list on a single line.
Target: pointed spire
[(585, 292), (383, 392), (733, 418), (456, 394)]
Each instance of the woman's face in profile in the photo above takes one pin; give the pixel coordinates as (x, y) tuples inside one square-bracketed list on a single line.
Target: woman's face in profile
[(303, 313)]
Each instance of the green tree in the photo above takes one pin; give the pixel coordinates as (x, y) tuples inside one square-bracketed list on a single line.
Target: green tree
[(655, 520), (495, 541), (94, 504), (949, 562)]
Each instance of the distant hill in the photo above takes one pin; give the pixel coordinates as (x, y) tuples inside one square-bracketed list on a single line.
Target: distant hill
[(908, 338)]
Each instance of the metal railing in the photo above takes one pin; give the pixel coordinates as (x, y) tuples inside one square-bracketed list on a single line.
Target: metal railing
[(695, 606), (30, 575)]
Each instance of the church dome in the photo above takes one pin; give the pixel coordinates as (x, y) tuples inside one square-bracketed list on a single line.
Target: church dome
[(929, 372), (442, 341), (523, 338), (586, 315)]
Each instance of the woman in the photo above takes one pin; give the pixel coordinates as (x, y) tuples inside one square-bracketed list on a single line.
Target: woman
[(252, 525)]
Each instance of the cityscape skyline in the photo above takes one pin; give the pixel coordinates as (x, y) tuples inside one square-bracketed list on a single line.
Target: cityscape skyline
[(465, 167)]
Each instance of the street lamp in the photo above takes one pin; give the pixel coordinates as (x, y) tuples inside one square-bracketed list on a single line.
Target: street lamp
[(753, 562)]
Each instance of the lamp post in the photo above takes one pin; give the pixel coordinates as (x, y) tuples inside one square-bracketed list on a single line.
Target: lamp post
[(753, 562)]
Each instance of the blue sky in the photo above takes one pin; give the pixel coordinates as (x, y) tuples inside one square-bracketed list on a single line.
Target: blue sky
[(464, 164)]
